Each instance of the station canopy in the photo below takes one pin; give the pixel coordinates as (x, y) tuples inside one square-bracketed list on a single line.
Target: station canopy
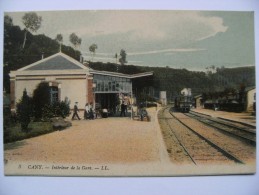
[(111, 82)]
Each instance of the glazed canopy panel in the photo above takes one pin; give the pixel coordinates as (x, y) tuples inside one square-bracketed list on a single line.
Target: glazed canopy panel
[(111, 84)]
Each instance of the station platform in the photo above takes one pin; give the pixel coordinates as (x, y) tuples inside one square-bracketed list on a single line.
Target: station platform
[(112, 140), (244, 117)]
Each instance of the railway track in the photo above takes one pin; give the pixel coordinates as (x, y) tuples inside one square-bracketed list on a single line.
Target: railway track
[(240, 131), (200, 143), (196, 147)]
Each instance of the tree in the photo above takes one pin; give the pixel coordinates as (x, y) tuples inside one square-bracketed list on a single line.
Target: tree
[(75, 40), (8, 21), (32, 22), (59, 39), (116, 57), (92, 49), (24, 111), (8, 24), (41, 97), (123, 55)]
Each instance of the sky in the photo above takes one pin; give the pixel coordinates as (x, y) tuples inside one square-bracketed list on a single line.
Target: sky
[(192, 40)]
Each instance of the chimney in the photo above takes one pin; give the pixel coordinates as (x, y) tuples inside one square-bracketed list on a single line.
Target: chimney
[(81, 59)]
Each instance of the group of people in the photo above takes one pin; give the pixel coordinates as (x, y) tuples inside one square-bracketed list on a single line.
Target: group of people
[(88, 112)]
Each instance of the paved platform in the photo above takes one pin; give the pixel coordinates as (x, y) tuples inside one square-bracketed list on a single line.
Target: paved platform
[(105, 140), (243, 117)]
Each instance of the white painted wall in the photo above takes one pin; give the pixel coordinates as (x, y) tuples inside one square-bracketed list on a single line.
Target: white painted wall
[(75, 90), (186, 91), (250, 98), (20, 85), (162, 97)]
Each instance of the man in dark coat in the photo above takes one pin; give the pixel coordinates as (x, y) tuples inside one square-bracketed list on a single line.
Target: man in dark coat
[(75, 112), (122, 109)]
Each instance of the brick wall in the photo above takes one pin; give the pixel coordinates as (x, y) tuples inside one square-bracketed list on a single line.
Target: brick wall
[(90, 90), (12, 94)]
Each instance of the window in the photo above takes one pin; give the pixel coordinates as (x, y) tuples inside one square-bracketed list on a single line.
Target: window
[(111, 84), (53, 94)]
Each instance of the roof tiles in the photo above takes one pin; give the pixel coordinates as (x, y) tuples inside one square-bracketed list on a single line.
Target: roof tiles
[(56, 63)]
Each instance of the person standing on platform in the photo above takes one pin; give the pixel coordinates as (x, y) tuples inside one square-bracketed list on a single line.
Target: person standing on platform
[(87, 110), (122, 109), (75, 112), (91, 112), (125, 106)]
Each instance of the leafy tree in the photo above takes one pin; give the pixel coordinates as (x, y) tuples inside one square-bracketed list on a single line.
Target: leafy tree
[(24, 111), (92, 49), (8, 44), (116, 57), (43, 108), (32, 22), (41, 97), (15, 58), (75, 40), (59, 39), (8, 21), (123, 56)]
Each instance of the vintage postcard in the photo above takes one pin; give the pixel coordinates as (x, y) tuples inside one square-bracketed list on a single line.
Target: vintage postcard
[(129, 93)]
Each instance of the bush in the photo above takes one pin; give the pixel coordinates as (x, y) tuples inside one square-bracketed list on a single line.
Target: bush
[(6, 120), (56, 109), (6, 114), (24, 111), (36, 129)]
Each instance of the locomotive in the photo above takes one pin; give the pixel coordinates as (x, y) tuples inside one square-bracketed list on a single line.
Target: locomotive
[(183, 102)]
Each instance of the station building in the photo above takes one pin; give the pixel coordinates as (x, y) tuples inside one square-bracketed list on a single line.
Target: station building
[(250, 98), (68, 78)]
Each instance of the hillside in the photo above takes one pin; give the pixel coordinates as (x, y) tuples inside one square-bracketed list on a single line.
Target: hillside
[(36, 45), (164, 79), (173, 80)]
